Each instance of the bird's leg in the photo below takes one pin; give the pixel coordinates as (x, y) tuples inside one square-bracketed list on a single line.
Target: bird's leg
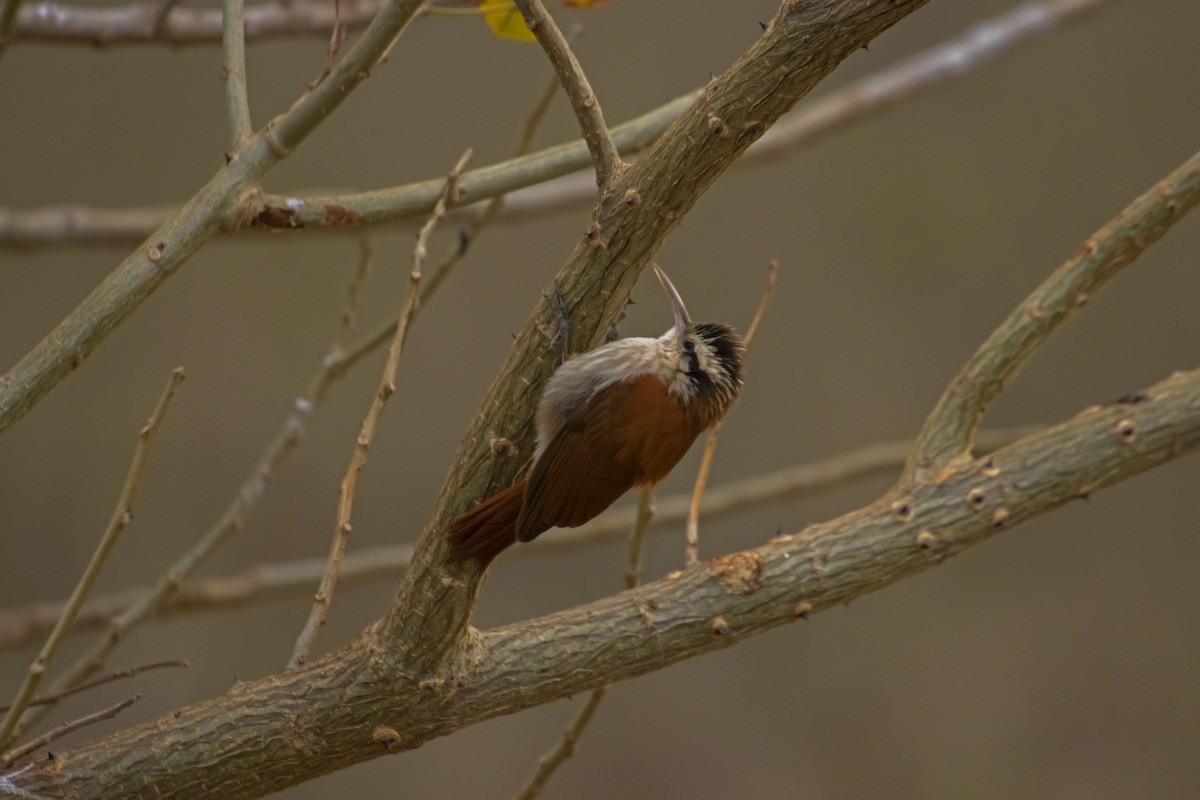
[(554, 299)]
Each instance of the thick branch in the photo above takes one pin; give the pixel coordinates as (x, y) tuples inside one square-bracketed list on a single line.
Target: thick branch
[(948, 432), (802, 44), (266, 735)]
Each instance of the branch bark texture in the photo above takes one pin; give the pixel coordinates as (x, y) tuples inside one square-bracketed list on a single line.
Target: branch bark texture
[(266, 735), (803, 43)]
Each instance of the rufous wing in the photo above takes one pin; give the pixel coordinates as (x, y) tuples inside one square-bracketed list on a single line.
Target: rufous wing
[(628, 434)]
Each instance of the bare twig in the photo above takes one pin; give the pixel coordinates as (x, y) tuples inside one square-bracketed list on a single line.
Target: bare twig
[(124, 289), (541, 182), (387, 387), (18, 753), (549, 761), (605, 157), (948, 432), (349, 321), (692, 548), (565, 747), (637, 537), (23, 624), (237, 102), (540, 660), (112, 676), (122, 514), (121, 615), (336, 37)]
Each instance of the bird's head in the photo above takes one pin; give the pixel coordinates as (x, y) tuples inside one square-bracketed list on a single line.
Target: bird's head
[(706, 356)]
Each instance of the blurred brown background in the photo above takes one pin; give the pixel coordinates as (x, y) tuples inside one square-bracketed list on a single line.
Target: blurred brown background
[(1059, 660)]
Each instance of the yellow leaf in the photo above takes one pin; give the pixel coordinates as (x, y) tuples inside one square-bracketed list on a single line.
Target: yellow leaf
[(505, 20)]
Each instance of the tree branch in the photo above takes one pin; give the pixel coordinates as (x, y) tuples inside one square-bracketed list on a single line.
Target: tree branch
[(237, 103), (948, 432), (144, 23), (18, 753), (291, 727), (542, 182), (692, 531), (584, 103), (11, 725), (23, 624), (65, 348), (802, 44), (362, 445)]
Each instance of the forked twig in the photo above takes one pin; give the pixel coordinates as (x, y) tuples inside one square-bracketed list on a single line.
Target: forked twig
[(949, 431), (692, 549), (387, 387)]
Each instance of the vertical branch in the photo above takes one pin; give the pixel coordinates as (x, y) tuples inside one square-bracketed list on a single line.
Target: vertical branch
[(121, 517), (583, 101), (692, 549), (237, 101), (387, 387)]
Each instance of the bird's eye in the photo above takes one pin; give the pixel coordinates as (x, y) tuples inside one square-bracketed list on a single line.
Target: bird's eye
[(689, 346)]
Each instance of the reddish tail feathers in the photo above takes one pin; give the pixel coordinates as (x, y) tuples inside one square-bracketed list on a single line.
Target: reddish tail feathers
[(486, 530)]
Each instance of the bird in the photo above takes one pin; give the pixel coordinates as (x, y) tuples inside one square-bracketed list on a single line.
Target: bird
[(617, 417)]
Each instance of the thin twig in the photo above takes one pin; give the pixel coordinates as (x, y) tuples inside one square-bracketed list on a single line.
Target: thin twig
[(542, 182), (139, 274), (692, 548), (130, 611), (265, 581), (565, 747), (637, 537), (113, 676), (387, 387), (122, 514), (950, 428), (11, 757), (349, 320), (605, 157), (336, 37), (237, 101)]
